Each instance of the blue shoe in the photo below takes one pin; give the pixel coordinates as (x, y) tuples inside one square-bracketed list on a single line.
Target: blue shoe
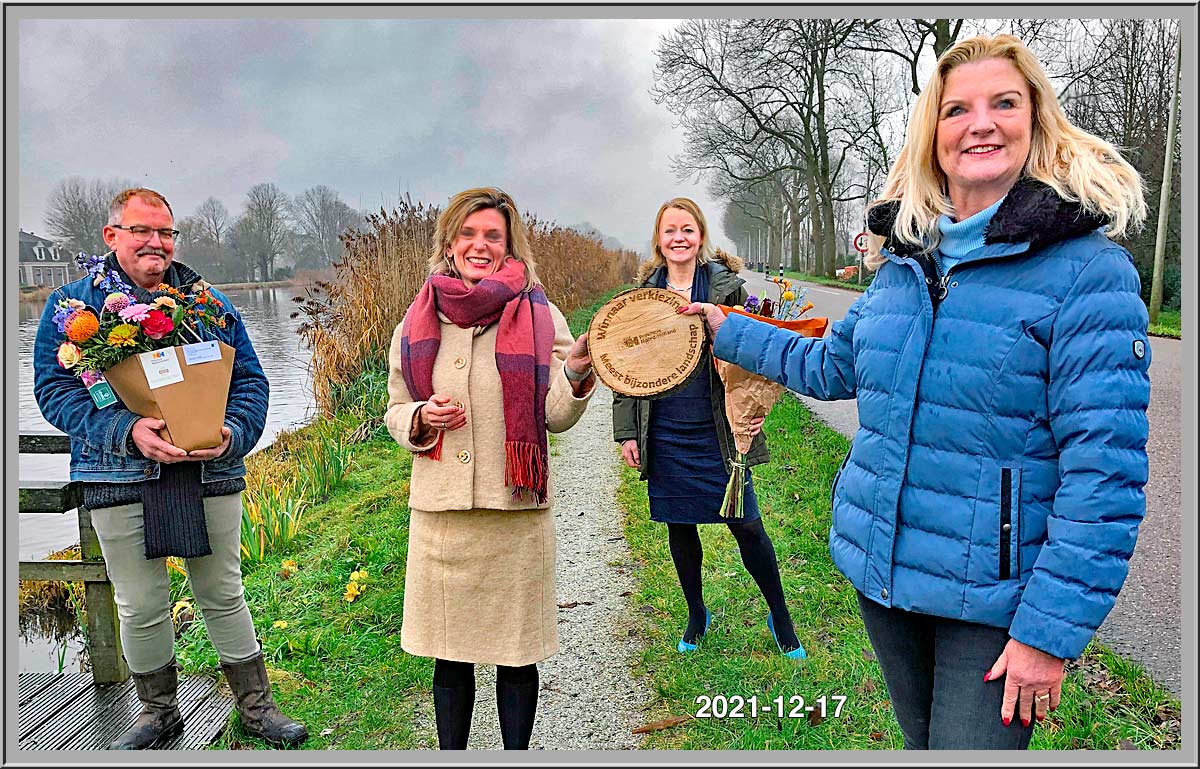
[(683, 647), (795, 654)]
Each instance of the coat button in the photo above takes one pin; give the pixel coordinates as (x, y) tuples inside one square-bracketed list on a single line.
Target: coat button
[(460, 362), (149, 471), (1006, 528), (458, 404), (464, 456), (883, 594)]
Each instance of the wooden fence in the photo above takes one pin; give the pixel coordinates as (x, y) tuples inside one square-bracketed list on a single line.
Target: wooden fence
[(59, 498)]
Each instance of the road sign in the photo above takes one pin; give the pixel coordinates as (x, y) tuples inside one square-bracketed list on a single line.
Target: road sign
[(860, 242)]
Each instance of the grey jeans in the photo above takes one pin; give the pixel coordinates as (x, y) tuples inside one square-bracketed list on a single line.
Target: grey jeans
[(142, 588), (934, 667)]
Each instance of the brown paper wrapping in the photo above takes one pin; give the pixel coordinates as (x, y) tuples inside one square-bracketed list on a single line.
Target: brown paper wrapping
[(193, 409)]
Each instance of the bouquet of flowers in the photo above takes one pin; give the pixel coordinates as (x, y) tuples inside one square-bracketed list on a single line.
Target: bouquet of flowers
[(748, 396), (124, 326)]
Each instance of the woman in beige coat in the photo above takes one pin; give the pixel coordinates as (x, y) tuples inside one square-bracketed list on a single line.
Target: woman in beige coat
[(481, 367)]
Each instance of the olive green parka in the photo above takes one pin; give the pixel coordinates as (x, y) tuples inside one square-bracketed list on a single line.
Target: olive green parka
[(631, 416)]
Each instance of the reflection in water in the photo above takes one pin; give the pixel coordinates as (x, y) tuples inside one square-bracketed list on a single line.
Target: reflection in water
[(285, 362)]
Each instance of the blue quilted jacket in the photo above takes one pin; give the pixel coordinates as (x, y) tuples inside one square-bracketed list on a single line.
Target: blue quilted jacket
[(997, 473)]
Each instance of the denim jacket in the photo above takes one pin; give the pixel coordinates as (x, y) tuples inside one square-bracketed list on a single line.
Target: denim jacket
[(99, 436)]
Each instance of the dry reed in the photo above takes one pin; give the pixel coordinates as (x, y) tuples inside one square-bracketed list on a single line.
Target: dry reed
[(349, 320)]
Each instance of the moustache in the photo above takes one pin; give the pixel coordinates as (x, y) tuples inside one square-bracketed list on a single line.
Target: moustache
[(152, 252)]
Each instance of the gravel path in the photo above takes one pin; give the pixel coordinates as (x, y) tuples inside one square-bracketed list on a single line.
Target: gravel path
[(589, 699)]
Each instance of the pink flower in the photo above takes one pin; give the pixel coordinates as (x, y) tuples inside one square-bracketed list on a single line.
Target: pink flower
[(89, 378), (116, 301), (156, 325), (135, 312)]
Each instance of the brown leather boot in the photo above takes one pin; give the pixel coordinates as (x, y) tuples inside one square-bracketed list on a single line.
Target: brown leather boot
[(159, 720), (260, 715)]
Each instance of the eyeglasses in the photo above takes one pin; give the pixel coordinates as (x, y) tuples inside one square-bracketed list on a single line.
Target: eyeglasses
[(143, 234)]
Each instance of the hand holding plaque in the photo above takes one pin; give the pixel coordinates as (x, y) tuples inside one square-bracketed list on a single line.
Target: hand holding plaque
[(641, 346)]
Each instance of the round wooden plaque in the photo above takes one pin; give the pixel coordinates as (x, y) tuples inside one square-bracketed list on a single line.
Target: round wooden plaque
[(641, 346)]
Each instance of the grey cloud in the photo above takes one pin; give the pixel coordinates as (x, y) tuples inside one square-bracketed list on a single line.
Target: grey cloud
[(556, 111)]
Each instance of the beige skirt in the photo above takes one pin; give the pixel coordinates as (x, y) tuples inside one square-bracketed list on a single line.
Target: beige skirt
[(479, 586)]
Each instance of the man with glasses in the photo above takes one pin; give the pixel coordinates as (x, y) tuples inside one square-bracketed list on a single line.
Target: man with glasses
[(150, 499)]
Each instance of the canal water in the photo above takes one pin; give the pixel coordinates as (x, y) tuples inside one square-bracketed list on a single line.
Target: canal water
[(51, 641)]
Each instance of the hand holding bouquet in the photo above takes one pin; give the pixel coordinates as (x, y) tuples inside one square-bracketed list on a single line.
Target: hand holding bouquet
[(749, 397)]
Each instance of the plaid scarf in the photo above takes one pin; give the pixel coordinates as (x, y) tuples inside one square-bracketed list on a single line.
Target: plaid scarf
[(524, 343)]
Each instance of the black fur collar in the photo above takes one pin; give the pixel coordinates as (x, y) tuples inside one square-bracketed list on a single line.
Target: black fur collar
[(1032, 212)]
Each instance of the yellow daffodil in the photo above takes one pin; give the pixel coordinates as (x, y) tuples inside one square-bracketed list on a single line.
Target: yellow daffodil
[(123, 335), (279, 624), (358, 576), (352, 591), (288, 563)]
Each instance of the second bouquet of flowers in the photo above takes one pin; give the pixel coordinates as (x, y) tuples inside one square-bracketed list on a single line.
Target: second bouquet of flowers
[(750, 396)]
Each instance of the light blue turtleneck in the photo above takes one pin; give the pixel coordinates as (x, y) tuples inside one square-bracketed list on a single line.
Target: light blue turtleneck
[(961, 238)]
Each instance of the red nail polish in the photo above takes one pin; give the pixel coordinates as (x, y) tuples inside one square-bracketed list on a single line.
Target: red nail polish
[(1007, 720), (1024, 722), (987, 676), (1041, 717)]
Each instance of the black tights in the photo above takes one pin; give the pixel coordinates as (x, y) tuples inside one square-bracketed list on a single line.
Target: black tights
[(454, 703), (758, 556)]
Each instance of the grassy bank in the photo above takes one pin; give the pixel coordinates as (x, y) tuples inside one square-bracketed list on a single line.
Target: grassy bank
[(1168, 320), (849, 285), (1106, 700), (1169, 324)]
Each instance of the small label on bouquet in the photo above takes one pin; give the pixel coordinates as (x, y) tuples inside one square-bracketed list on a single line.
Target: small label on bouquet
[(161, 367), (201, 352), (102, 394)]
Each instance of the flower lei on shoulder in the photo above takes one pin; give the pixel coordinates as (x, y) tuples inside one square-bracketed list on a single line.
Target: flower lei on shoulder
[(99, 338)]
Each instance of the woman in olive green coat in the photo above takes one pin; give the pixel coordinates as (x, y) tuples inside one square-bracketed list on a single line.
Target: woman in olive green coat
[(682, 443)]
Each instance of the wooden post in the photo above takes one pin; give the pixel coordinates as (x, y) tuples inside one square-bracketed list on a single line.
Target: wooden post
[(103, 628)]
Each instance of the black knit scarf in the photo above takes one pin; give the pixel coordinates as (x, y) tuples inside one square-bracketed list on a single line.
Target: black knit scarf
[(172, 506)]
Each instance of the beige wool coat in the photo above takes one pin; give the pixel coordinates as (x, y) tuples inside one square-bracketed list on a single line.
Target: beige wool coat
[(479, 585)]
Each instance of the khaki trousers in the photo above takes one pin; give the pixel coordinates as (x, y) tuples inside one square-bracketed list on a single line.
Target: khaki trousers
[(142, 588)]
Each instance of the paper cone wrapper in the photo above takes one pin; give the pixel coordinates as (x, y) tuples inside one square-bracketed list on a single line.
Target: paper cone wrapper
[(194, 409)]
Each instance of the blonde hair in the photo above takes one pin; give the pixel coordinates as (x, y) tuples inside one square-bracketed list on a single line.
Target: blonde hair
[(464, 204), (703, 254), (1078, 166), (116, 209)]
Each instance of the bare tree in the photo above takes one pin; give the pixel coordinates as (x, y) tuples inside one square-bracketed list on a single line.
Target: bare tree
[(321, 218), (77, 211), (263, 232), (909, 40), (204, 243)]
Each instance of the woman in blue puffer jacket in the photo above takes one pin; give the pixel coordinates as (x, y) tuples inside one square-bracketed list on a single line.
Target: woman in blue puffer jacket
[(989, 505)]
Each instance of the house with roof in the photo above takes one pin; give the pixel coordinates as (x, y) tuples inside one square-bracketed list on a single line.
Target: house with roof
[(43, 262)]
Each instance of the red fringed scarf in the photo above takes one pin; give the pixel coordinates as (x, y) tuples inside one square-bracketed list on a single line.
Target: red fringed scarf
[(524, 344)]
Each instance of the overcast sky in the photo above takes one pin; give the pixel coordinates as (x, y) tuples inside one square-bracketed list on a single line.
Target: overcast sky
[(557, 112)]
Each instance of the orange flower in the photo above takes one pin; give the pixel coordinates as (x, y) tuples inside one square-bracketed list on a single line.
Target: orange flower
[(81, 326)]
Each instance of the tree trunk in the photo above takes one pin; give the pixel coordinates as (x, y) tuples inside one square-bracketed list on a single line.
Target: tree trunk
[(1164, 197)]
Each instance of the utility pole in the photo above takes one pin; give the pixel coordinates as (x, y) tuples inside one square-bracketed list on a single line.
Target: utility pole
[(1164, 197)]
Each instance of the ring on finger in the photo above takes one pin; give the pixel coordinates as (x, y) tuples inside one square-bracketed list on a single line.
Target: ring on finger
[(1044, 697)]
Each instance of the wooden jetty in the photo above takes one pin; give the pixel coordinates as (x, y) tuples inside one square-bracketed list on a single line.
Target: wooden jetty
[(86, 711)]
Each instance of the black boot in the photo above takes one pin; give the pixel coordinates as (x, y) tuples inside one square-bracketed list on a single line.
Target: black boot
[(516, 701), (260, 715), (159, 720)]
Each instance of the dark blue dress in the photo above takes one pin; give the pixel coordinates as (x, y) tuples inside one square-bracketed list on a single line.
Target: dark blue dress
[(687, 475)]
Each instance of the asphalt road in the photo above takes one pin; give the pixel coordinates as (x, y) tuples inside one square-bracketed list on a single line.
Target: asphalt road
[(1144, 626)]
